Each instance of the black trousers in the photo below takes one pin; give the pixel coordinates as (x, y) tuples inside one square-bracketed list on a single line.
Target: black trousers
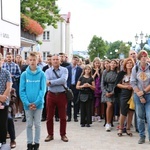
[(44, 109), (3, 124), (86, 112), (75, 104), (11, 128)]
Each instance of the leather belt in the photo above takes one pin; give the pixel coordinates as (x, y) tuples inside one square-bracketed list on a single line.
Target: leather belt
[(57, 93)]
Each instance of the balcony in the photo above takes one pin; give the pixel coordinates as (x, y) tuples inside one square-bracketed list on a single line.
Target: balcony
[(27, 35), (27, 39)]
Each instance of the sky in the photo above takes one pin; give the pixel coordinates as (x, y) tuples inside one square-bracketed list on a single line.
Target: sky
[(110, 19)]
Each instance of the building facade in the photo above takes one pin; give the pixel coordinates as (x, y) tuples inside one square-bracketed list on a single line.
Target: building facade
[(9, 26), (54, 40)]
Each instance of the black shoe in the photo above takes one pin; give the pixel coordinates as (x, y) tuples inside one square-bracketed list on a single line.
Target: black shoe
[(137, 130), (56, 119), (82, 125), (68, 120), (24, 119), (29, 147), (35, 146), (43, 119), (88, 125), (75, 120)]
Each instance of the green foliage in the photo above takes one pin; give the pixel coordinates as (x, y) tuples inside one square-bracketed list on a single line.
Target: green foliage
[(43, 11), (97, 48), (117, 48), (124, 48), (39, 42)]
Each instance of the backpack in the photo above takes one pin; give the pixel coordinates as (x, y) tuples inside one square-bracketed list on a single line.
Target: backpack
[(138, 68)]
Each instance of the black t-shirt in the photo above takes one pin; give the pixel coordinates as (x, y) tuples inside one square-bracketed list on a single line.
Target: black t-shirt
[(83, 80), (93, 71)]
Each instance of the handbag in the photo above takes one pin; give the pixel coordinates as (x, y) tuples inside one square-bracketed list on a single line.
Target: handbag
[(131, 103), (83, 97), (69, 94), (68, 91)]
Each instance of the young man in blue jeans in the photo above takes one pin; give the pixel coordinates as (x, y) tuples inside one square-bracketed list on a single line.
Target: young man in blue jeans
[(32, 90)]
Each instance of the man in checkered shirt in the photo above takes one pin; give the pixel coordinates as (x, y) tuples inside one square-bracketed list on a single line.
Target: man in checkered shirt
[(15, 72)]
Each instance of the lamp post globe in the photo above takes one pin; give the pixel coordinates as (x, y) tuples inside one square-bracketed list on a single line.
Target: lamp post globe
[(141, 35)]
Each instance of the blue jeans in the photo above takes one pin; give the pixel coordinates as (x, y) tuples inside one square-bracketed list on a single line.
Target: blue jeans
[(142, 111), (33, 116)]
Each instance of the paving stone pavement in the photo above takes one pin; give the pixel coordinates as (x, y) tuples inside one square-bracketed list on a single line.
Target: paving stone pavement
[(83, 138)]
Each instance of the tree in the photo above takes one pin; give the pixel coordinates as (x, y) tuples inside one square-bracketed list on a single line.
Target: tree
[(113, 50), (97, 48), (43, 11), (124, 49), (116, 48)]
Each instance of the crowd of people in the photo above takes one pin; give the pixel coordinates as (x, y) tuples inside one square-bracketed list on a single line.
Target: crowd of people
[(103, 89)]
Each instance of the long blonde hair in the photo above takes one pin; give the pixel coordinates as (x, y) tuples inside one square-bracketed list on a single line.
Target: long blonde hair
[(96, 59), (85, 67)]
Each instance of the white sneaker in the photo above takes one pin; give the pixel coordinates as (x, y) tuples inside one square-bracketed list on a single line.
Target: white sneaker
[(19, 115), (108, 127), (16, 115), (93, 118), (99, 119)]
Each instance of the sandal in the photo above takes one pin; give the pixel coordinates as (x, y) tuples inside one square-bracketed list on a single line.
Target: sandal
[(128, 132), (119, 132)]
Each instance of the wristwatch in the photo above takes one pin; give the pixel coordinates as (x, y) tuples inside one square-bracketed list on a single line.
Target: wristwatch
[(144, 92), (141, 97)]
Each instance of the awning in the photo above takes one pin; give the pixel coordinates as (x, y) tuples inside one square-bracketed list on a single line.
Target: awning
[(9, 46)]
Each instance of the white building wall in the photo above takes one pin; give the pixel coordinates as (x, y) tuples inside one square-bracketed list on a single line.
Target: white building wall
[(56, 43), (59, 41), (10, 25)]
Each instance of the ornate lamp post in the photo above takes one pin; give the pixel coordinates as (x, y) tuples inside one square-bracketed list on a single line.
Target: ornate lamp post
[(141, 38)]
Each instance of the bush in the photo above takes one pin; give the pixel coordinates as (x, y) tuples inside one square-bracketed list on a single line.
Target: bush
[(30, 25)]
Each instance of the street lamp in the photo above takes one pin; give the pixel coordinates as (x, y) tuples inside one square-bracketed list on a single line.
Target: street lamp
[(141, 37)]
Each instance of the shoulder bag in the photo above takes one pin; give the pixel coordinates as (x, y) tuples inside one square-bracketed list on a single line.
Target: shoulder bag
[(69, 93), (83, 97)]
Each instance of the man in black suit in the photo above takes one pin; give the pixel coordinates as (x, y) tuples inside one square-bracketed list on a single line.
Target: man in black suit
[(63, 60), (74, 73), (44, 69)]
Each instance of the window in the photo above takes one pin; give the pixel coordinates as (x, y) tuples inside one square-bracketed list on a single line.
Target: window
[(46, 35), (45, 55), (25, 55)]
